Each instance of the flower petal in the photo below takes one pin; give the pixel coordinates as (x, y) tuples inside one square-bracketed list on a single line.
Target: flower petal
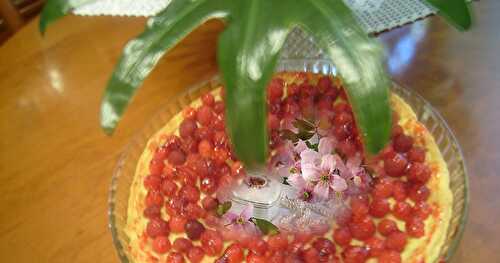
[(309, 156), (296, 181), (300, 147), (325, 146), (328, 163), (321, 191), (339, 184), (310, 173), (247, 212)]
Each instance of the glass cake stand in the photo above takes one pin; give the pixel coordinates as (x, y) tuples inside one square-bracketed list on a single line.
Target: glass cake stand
[(300, 54)]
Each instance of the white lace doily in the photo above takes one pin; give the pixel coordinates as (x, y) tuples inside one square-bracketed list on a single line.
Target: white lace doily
[(374, 15)]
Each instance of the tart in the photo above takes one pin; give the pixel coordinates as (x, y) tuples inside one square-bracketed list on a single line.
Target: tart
[(396, 205)]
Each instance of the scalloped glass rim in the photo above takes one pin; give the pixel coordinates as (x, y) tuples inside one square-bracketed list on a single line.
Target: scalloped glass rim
[(125, 169)]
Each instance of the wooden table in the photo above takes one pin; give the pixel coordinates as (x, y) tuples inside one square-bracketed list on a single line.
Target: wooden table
[(56, 163)]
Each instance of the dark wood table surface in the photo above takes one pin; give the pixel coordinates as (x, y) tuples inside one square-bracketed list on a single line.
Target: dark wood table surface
[(56, 163)]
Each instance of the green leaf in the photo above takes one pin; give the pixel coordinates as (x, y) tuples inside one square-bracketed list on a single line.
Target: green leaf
[(223, 208), (456, 12), (304, 135), (247, 54), (303, 125), (358, 59), (266, 227), (289, 135), (312, 146), (140, 56), (56, 9)]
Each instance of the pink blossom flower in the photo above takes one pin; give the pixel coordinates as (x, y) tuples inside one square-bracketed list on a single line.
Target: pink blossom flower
[(325, 175), (240, 224), (305, 190)]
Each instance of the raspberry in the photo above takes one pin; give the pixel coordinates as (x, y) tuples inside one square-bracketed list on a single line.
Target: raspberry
[(211, 242), (194, 229), (154, 198), (175, 257), (234, 253), (177, 223), (176, 157), (152, 182), (273, 123), (258, 246), (204, 115), (190, 193), (379, 208), (395, 166), (402, 143), (418, 173), (156, 167), (208, 99), (415, 227), (362, 229), (399, 191), (342, 236), (386, 227), (157, 227), (161, 245), (187, 128), (205, 148), (208, 184), (401, 210), (311, 255), (355, 254), (277, 242), (325, 248), (195, 254), (419, 193), (396, 241), (375, 246), (421, 210), (275, 90), (416, 154), (209, 203), (152, 211), (389, 256), (168, 187), (383, 189), (359, 208), (182, 245)]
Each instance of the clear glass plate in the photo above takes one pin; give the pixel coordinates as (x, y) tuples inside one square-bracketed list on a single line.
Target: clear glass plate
[(124, 172)]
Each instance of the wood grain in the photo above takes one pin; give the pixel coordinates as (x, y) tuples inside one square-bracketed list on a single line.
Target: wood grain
[(56, 163)]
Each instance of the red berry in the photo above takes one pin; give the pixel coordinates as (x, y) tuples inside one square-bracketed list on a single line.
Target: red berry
[(419, 193), (379, 208), (396, 241), (208, 99), (190, 193), (161, 244), (399, 191), (204, 115), (187, 128), (387, 227), (177, 223), (325, 247), (324, 83), (208, 184), (254, 258), (389, 256), (193, 211), (355, 254), (220, 155), (204, 133), (342, 119), (277, 242), (211, 242), (362, 229), (342, 236), (416, 154), (273, 123), (421, 210), (154, 198), (292, 89), (156, 167), (206, 149), (311, 255), (396, 165), (152, 211), (209, 203), (194, 229), (403, 143), (275, 89), (189, 113), (157, 227), (176, 157), (396, 131), (359, 208), (419, 173), (168, 187), (347, 148), (258, 246), (162, 153), (182, 245), (152, 182), (415, 227), (375, 246), (195, 254), (234, 253), (401, 210), (383, 189), (175, 257)]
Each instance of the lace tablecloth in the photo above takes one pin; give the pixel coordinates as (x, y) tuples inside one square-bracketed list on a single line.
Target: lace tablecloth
[(374, 15)]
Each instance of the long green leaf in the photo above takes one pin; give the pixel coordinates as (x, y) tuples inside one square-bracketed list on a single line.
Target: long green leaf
[(247, 55), (140, 56), (456, 12), (358, 59), (56, 9)]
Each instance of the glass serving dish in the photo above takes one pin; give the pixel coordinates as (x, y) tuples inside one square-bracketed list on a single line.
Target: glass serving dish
[(299, 55)]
